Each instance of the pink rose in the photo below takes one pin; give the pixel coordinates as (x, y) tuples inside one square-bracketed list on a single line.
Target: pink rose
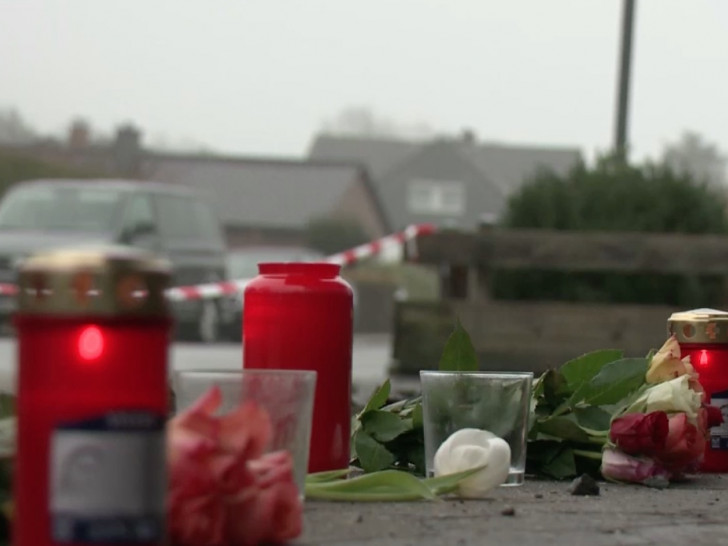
[(685, 443), (275, 513), (639, 433), (619, 466), (223, 491)]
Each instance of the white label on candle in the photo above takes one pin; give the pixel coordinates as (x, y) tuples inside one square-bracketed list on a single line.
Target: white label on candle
[(719, 434), (107, 479)]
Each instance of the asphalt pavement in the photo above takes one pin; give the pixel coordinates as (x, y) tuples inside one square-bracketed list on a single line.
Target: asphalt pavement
[(539, 513)]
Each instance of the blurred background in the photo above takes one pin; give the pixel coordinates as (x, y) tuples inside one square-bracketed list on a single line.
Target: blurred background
[(311, 127)]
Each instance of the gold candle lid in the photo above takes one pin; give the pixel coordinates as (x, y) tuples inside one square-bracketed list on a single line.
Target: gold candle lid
[(699, 326), (94, 281)]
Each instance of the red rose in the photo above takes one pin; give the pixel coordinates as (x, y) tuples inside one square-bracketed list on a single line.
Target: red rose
[(222, 490), (685, 444), (639, 433), (714, 416)]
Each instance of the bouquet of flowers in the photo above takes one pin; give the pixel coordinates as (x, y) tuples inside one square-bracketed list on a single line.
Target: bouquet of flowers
[(661, 436), (639, 420), (633, 420)]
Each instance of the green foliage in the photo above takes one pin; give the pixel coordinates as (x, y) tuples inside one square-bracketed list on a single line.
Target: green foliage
[(613, 196), (571, 410), (331, 235), (574, 405), (618, 197), (459, 353), (391, 436)]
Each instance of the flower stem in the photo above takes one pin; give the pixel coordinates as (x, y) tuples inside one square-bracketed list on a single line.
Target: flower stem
[(587, 454), (314, 492)]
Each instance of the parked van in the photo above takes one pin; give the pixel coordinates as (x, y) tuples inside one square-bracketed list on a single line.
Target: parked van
[(174, 222)]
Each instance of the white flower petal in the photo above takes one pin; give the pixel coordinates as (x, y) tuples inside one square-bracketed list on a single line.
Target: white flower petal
[(494, 474), (443, 463), (472, 448)]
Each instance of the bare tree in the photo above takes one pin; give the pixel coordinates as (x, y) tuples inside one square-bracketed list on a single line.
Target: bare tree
[(363, 121), (692, 154), (14, 129)]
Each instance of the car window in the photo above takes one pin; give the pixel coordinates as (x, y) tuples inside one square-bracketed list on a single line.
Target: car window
[(243, 264), (138, 214), (62, 208), (182, 218)]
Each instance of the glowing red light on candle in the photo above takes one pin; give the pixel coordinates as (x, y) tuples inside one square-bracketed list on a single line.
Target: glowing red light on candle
[(703, 358), (90, 343)]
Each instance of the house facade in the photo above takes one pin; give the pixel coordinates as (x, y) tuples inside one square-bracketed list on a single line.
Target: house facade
[(452, 182), (260, 201)]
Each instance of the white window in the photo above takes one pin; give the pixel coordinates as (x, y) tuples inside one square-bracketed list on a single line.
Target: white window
[(436, 197)]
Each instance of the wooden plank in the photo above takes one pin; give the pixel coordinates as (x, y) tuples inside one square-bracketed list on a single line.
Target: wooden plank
[(579, 251), (526, 335), (447, 247)]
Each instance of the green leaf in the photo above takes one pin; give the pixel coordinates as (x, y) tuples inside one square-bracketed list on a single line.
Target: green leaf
[(563, 427), (386, 485), (613, 383), (327, 475), (372, 455), (378, 398), (441, 485), (555, 388), (417, 417), (459, 353), (593, 418), (537, 386), (583, 368), (402, 405), (7, 405), (562, 466), (384, 426)]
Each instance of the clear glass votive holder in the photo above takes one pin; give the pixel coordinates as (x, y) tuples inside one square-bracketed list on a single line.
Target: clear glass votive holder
[(286, 395), (498, 402)]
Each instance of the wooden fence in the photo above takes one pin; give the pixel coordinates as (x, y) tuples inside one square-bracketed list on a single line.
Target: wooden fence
[(526, 335)]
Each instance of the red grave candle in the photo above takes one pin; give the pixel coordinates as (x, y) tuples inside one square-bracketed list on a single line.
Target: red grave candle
[(703, 335), (300, 316), (93, 334)]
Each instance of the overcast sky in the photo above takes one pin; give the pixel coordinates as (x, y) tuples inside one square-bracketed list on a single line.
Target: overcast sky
[(262, 76)]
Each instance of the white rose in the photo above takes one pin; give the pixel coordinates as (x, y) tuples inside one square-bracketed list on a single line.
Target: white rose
[(470, 448), (675, 395)]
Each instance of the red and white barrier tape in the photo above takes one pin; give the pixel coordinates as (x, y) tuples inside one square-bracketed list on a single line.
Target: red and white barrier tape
[(223, 288), (7, 289), (375, 248), (348, 257)]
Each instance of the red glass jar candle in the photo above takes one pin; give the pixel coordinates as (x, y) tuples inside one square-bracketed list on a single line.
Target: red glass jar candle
[(703, 336), (93, 334), (300, 316)]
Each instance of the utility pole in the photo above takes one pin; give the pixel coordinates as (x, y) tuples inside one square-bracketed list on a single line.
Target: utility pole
[(625, 62)]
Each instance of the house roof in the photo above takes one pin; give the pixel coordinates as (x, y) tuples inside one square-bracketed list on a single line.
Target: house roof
[(261, 192), (378, 154), (510, 166), (505, 165)]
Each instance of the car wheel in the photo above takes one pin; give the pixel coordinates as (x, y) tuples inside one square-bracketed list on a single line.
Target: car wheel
[(208, 325)]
